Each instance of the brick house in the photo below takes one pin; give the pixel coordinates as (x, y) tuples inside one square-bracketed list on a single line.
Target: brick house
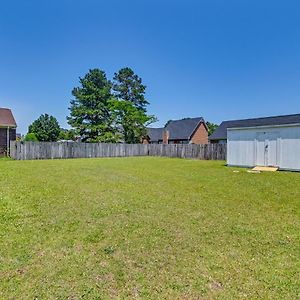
[(185, 131), (7, 130)]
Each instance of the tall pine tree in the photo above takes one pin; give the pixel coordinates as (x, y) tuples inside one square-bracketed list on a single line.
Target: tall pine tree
[(90, 111), (130, 106), (128, 86)]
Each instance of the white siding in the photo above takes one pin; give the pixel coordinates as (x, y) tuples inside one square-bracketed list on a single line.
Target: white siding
[(282, 143)]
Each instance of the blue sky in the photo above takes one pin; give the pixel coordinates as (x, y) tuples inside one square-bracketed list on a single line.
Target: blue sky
[(215, 58)]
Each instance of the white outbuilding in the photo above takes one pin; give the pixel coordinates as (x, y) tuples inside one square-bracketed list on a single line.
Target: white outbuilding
[(271, 141)]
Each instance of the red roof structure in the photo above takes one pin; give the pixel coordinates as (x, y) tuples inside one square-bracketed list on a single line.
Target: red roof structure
[(6, 118)]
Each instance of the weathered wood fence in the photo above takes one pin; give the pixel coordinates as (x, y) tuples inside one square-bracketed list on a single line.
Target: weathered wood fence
[(55, 150)]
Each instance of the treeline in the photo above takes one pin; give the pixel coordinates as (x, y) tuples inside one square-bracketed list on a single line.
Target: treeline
[(101, 110)]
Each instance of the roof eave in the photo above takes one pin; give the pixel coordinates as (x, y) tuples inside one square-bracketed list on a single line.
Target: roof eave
[(264, 126), (8, 125)]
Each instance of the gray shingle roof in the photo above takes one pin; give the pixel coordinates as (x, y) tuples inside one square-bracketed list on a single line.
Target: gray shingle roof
[(178, 129), (221, 131), (183, 129), (155, 134)]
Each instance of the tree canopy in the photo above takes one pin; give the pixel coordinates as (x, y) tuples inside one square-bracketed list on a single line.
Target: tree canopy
[(128, 86), (130, 106), (90, 111), (30, 137), (66, 134), (45, 128), (105, 111), (131, 121)]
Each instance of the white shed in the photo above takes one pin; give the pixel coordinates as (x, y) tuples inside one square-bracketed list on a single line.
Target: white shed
[(271, 141)]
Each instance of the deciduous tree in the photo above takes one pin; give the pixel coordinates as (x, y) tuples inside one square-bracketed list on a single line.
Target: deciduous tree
[(130, 121), (30, 137), (45, 128)]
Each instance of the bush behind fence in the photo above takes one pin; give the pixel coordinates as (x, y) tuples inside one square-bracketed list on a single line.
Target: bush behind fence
[(56, 150)]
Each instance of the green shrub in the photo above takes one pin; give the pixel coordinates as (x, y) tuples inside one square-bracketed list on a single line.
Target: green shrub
[(30, 137)]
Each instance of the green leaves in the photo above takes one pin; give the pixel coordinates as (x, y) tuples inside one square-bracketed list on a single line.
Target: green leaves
[(45, 129), (130, 120), (211, 127), (128, 86), (68, 135), (90, 113), (30, 137), (103, 111), (130, 106)]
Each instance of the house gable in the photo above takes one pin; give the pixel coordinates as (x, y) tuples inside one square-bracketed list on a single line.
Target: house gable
[(6, 118), (200, 135)]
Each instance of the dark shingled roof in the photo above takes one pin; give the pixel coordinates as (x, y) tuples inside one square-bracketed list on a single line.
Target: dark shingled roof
[(155, 134), (221, 131), (178, 129), (7, 118), (183, 129)]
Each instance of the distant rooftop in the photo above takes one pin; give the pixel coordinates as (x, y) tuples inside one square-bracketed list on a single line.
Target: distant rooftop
[(183, 129), (7, 118), (178, 129), (155, 134)]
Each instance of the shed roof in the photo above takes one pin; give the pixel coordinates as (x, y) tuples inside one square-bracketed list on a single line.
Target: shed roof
[(221, 131), (7, 118)]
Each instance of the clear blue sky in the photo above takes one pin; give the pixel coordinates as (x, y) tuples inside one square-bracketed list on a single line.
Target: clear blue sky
[(214, 58)]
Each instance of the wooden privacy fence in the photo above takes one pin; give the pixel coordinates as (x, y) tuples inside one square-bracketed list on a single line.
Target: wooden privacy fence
[(54, 150)]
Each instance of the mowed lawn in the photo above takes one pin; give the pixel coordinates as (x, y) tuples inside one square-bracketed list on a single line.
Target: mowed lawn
[(147, 228)]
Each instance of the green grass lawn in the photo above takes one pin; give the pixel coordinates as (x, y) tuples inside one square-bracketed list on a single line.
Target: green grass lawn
[(147, 228)]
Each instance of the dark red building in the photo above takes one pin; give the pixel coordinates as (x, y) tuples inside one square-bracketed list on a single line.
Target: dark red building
[(8, 127)]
